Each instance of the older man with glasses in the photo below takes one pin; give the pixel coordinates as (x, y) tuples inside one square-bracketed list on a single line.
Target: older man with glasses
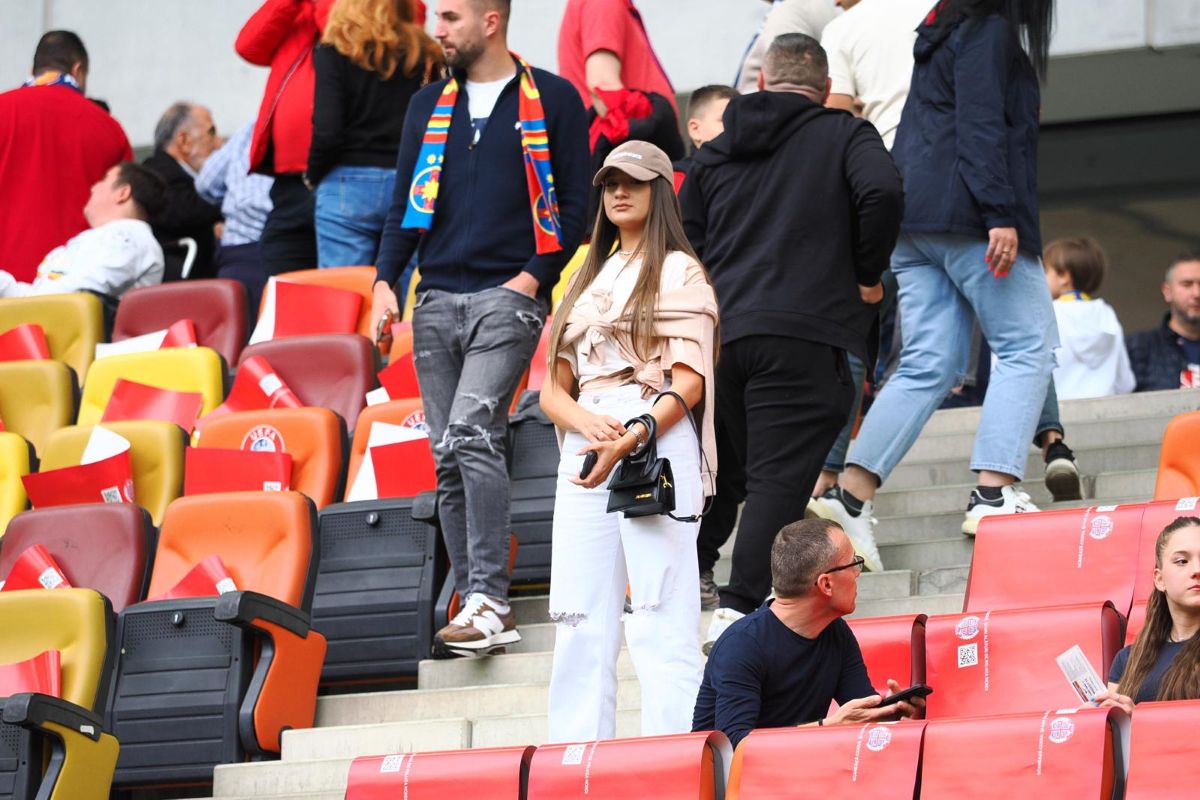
[(785, 663)]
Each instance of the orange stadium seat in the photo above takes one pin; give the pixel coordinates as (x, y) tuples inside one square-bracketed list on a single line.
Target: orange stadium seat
[(314, 437), (217, 307), (1041, 754), (394, 412), (106, 546), (156, 455), (538, 367), (874, 760), (1161, 748), (1079, 555), (487, 774), (333, 371), (73, 324), (694, 766), (892, 647), (360, 280), (227, 674), (1003, 662), (37, 398), (1178, 460), (16, 459)]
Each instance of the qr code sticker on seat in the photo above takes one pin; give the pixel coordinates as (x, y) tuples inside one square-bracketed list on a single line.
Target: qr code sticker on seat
[(573, 754), (111, 495), (968, 655)]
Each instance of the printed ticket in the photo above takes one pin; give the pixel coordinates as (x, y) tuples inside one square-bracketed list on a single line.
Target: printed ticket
[(1082, 676)]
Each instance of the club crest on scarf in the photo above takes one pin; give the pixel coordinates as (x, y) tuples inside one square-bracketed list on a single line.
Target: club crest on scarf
[(535, 150)]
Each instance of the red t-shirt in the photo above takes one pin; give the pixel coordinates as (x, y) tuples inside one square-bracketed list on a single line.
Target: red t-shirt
[(614, 25), (54, 144)]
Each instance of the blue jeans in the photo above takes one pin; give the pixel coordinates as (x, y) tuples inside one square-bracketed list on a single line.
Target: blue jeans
[(944, 284), (836, 460), (351, 205)]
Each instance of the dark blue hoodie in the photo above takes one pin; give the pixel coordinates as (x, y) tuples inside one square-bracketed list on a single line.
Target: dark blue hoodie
[(967, 142)]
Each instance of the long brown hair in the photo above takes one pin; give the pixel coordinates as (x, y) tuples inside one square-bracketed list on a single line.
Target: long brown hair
[(1181, 681), (380, 35), (662, 234)]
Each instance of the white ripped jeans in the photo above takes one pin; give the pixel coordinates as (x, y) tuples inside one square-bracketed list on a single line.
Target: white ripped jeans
[(595, 555)]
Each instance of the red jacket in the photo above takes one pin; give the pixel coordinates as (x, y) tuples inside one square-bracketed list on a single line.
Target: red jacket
[(281, 35), (54, 144)]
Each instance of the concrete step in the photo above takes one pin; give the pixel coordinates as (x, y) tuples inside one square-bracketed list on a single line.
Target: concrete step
[(1073, 412), (266, 780), (943, 580), (532, 729), (351, 741), (927, 604)]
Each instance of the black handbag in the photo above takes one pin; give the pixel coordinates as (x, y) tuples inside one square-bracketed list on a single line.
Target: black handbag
[(642, 484)]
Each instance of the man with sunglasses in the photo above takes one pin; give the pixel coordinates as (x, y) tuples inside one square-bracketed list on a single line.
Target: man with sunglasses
[(785, 663)]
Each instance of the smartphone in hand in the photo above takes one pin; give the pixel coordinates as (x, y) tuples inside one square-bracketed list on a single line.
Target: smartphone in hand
[(916, 690), (589, 462)]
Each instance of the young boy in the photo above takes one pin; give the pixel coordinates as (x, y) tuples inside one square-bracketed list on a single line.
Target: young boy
[(1092, 361), (705, 112)]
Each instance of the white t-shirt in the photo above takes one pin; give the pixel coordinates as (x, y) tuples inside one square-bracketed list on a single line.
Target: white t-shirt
[(870, 50), (481, 99), (111, 259), (618, 278), (786, 16)]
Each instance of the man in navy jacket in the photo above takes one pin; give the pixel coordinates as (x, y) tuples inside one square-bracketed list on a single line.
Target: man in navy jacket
[(484, 292)]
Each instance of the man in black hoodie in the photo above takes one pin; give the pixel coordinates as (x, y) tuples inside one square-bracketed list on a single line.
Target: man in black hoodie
[(795, 210)]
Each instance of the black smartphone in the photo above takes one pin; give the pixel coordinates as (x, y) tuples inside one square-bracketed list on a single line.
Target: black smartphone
[(589, 461), (916, 690)]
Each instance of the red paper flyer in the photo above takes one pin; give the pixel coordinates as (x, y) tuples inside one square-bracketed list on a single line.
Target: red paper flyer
[(132, 400), (109, 480), (209, 578), (41, 674), (208, 470), (24, 343), (35, 568), (404, 469)]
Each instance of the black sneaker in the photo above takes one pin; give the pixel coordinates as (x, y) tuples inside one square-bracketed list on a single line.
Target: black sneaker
[(1062, 476), (1011, 501)]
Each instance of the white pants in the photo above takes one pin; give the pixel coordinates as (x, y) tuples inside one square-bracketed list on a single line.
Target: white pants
[(595, 555)]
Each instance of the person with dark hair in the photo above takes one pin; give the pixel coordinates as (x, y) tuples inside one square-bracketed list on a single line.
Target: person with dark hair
[(184, 138), (1092, 361), (1163, 663), (784, 664), (373, 58), (1168, 357), (492, 185), (57, 144), (794, 209), (117, 253), (705, 122), (970, 243), (281, 35), (635, 335)]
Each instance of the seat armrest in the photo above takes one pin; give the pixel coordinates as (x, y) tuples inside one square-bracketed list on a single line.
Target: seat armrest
[(33, 710), (244, 608), (424, 507)]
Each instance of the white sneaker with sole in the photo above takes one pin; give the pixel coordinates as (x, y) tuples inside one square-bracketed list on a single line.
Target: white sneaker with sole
[(1012, 501), (860, 529), (722, 618)]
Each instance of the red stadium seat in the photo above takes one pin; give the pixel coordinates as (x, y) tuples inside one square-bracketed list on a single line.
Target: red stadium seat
[(108, 547), (486, 774), (217, 307), (1003, 662), (691, 766), (1054, 558), (1178, 461), (877, 760), (1161, 748), (1135, 623), (1043, 754), (334, 370), (892, 647)]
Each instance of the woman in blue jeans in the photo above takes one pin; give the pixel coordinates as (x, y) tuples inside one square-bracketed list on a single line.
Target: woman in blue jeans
[(969, 247), (373, 58)]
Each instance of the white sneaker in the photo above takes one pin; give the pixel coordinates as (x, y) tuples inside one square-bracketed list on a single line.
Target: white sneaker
[(860, 529), (1012, 501), (722, 618)]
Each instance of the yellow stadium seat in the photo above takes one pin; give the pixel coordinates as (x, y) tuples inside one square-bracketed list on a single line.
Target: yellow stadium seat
[(73, 324), (410, 299), (560, 288), (180, 369), (36, 398), (157, 452), (14, 462), (78, 623)]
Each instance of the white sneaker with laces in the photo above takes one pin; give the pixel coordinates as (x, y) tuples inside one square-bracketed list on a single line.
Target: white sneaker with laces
[(722, 618), (482, 626), (860, 529), (1012, 501)]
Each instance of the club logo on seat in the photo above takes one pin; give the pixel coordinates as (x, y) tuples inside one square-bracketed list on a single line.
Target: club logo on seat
[(1061, 729), (415, 420), (263, 439), (878, 739), (967, 628), (1102, 526)]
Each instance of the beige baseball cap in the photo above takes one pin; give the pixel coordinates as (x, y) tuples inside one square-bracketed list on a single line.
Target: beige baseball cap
[(639, 160)]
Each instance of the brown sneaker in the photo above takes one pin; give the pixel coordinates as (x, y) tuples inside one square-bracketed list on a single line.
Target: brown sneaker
[(477, 630)]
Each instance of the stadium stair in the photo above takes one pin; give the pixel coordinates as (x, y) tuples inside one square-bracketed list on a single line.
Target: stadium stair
[(502, 700)]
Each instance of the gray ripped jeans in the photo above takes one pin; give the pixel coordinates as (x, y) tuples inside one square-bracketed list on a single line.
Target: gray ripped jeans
[(470, 351)]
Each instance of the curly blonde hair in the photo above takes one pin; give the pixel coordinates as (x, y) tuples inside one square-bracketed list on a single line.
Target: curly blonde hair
[(380, 35)]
